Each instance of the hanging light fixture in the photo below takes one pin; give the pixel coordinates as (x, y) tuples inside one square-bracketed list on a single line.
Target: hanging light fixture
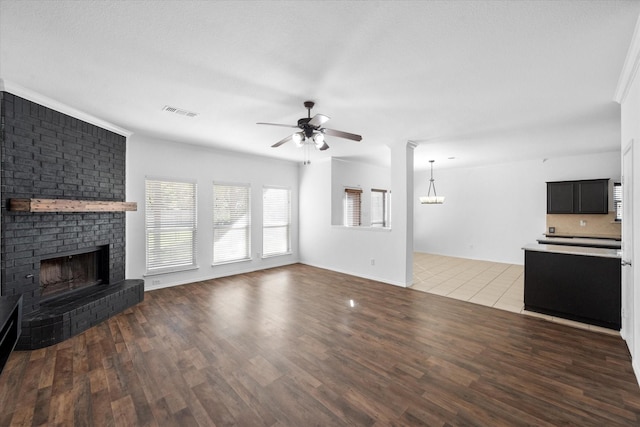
[(429, 199)]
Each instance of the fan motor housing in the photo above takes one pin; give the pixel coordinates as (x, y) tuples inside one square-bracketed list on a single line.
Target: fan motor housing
[(307, 129)]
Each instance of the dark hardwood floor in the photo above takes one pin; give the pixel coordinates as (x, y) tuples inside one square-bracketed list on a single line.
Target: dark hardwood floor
[(301, 346)]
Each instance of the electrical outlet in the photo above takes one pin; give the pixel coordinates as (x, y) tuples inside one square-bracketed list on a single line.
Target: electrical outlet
[(552, 230), (583, 223), (373, 261)]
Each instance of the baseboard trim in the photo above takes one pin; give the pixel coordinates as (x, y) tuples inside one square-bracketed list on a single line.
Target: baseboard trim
[(362, 276), (212, 277)]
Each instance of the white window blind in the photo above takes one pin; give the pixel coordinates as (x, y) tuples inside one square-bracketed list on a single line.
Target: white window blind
[(379, 208), (352, 207), (276, 221), (170, 225), (617, 200), (231, 223)]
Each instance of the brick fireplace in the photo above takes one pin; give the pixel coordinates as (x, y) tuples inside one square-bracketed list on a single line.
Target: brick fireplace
[(47, 154)]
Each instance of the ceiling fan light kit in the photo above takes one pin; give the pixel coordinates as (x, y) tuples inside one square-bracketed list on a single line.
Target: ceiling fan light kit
[(429, 199), (311, 131), (318, 140)]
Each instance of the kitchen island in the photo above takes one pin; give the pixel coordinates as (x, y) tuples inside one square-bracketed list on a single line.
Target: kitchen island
[(574, 282)]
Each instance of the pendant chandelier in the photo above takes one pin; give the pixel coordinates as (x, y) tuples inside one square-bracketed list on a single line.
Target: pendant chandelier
[(429, 199)]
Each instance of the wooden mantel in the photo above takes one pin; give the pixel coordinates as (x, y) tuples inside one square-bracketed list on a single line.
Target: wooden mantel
[(61, 205)]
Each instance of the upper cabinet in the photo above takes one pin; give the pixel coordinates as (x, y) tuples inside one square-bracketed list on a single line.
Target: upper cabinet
[(578, 197), (560, 197), (593, 196)]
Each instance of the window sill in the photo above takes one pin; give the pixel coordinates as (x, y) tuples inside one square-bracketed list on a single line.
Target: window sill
[(275, 255), (235, 261), (363, 228), (170, 270)]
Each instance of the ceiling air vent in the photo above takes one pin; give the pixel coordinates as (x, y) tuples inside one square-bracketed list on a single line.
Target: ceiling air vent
[(179, 111)]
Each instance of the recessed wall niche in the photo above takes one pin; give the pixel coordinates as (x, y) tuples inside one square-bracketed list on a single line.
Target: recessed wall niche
[(352, 174)]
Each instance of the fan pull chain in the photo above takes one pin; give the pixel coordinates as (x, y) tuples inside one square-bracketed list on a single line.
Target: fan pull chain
[(307, 154)]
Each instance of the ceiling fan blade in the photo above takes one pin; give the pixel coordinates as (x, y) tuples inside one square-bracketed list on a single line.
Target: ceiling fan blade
[(318, 120), (324, 147), (277, 124), (282, 141), (341, 134)]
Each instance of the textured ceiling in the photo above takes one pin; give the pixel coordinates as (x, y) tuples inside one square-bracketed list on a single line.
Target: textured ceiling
[(485, 81)]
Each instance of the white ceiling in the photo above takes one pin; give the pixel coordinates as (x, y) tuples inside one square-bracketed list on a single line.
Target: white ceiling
[(481, 81)]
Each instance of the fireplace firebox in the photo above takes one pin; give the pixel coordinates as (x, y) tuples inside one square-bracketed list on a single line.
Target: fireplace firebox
[(72, 271)]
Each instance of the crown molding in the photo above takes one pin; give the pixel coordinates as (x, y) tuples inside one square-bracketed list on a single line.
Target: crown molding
[(630, 67), (32, 96), (412, 144)]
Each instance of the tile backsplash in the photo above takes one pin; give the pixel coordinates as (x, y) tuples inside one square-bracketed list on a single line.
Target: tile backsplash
[(594, 225)]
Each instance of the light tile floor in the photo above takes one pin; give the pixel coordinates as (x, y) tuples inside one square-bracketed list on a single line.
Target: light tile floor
[(487, 283)]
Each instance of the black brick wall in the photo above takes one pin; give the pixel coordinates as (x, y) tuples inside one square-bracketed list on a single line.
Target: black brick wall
[(47, 154)]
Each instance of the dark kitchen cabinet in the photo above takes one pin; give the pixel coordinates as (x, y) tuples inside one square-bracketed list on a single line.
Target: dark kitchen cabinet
[(593, 196), (560, 197), (576, 287), (578, 197)]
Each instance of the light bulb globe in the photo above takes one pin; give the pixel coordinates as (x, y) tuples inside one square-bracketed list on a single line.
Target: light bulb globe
[(298, 137), (318, 139)]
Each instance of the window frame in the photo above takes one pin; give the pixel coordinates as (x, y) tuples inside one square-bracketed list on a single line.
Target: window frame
[(155, 227), (266, 226), (617, 201), (246, 226), (386, 208), (352, 195)]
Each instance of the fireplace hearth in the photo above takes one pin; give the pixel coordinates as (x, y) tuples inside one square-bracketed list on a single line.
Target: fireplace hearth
[(69, 314), (75, 294)]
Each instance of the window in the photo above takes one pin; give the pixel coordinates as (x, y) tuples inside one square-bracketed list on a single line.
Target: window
[(170, 225), (380, 208), (231, 223), (276, 221), (352, 207), (617, 200)]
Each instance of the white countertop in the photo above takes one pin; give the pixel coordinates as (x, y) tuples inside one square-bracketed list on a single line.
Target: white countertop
[(579, 241), (574, 250)]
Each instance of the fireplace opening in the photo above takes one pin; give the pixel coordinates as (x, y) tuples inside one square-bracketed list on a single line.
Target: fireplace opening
[(73, 271)]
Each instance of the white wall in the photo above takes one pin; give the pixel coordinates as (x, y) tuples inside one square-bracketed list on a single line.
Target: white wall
[(345, 173), (490, 212), (156, 158), (351, 250)]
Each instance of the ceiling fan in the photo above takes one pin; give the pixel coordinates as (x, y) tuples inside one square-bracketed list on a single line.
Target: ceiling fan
[(311, 130)]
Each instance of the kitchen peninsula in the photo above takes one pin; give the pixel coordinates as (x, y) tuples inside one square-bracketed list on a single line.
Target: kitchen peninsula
[(574, 282)]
